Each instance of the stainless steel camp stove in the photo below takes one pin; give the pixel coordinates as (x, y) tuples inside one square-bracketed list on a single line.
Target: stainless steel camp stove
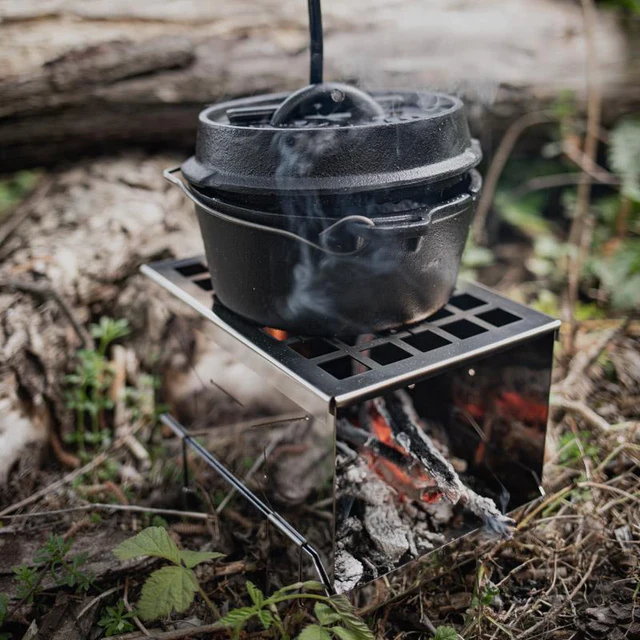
[(477, 376)]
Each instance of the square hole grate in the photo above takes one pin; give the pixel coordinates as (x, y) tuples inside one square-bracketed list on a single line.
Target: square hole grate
[(466, 301), (498, 317), (313, 347), (475, 320), (386, 353), (463, 329), (426, 341), (342, 368)]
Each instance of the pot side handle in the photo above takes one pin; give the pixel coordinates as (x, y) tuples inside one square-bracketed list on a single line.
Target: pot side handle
[(363, 221), (415, 228)]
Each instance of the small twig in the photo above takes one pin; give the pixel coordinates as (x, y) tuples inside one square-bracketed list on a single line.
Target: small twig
[(177, 633), (582, 361), (97, 599), (554, 497), (606, 487), (583, 410), (579, 234), (46, 292), (64, 457), (129, 608), (555, 609), (575, 265), (556, 180), (589, 167), (78, 525), (98, 506), (70, 477), (508, 142), (232, 568)]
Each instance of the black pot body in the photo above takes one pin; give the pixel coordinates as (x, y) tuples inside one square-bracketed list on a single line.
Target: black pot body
[(399, 271)]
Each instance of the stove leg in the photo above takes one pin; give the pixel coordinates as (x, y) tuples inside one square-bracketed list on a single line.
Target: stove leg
[(300, 561), (186, 489)]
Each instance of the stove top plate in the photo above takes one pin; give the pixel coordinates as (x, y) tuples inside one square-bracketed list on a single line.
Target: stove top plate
[(342, 371)]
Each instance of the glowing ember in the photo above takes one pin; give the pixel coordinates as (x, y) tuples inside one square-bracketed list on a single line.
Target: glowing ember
[(409, 480), (278, 334)]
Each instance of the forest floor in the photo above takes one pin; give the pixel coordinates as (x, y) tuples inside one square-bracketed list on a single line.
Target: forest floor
[(109, 470)]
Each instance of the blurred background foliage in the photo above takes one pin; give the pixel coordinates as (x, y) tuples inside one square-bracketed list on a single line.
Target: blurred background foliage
[(533, 207)]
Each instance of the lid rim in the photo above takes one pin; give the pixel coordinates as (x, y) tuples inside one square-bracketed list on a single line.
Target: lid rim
[(426, 174)]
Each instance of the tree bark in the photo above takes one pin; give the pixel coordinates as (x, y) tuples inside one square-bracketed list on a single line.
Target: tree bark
[(82, 78)]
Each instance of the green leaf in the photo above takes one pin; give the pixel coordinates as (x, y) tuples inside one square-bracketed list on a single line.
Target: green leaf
[(309, 585), (325, 614), (266, 618), (255, 594), (524, 213), (624, 155), (475, 257), (619, 274), (348, 617), (446, 633), (346, 634), (194, 558), (152, 542), (237, 617), (314, 632), (166, 590)]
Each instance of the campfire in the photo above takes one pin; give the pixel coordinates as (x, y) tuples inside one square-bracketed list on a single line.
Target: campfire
[(400, 489)]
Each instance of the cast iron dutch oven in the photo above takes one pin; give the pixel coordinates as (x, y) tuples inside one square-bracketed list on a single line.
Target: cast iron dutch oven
[(332, 211)]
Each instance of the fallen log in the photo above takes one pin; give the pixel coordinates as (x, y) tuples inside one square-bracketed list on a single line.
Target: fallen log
[(88, 78)]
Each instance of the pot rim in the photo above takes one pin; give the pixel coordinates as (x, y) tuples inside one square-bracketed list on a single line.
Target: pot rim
[(242, 212)]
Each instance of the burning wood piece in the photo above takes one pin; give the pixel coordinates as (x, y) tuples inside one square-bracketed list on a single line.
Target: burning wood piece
[(394, 422), (398, 469), (392, 418)]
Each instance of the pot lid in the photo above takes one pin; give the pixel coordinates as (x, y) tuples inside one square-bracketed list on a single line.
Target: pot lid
[(331, 138)]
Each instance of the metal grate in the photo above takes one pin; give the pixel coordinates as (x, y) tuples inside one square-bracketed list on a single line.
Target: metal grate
[(475, 321)]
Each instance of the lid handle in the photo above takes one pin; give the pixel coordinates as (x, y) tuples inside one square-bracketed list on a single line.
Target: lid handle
[(316, 42), (326, 100)]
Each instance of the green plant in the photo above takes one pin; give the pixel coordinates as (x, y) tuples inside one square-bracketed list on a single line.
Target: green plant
[(109, 330), (574, 447), (485, 595), (90, 381), (171, 588), (116, 619), (475, 257), (619, 274), (336, 616), (26, 579), (15, 188), (445, 633), (624, 156), (337, 620), (632, 6), (52, 558)]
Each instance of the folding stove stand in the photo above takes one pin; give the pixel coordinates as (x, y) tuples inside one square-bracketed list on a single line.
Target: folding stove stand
[(482, 352)]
